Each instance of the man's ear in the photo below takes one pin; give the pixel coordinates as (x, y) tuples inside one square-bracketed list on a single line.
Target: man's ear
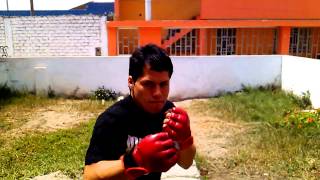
[(130, 82)]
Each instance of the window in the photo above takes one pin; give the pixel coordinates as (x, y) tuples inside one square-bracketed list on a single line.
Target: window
[(300, 42), (128, 41), (226, 42)]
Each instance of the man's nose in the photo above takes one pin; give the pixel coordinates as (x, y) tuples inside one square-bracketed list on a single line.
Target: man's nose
[(157, 91)]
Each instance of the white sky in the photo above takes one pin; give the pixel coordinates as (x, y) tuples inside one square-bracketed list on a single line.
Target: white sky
[(44, 4)]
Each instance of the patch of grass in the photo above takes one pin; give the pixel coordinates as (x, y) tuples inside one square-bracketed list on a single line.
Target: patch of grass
[(39, 153), (278, 152), (266, 150), (42, 153), (93, 106), (251, 105)]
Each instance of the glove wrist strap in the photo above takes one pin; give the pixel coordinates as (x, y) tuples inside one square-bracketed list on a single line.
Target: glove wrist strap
[(186, 143), (132, 170), (128, 159)]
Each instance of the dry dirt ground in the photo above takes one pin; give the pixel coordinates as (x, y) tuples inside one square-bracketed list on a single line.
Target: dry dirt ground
[(59, 116), (212, 135)]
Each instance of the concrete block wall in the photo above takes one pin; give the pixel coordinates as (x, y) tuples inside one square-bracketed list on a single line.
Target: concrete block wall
[(43, 36), (2, 34)]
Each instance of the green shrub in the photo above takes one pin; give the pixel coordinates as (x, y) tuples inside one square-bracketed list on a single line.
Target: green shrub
[(6, 92), (7, 95), (106, 94)]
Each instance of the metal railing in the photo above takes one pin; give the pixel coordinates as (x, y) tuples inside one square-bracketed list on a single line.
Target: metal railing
[(304, 42), (181, 42)]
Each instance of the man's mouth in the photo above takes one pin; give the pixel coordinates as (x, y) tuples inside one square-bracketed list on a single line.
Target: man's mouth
[(156, 102)]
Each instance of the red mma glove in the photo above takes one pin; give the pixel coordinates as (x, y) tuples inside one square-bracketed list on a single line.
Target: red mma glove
[(154, 153), (177, 124)]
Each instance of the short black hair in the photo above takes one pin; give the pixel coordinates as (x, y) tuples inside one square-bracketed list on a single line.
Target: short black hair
[(152, 55)]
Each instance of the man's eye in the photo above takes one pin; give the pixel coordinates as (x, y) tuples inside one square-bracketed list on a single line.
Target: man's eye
[(165, 84), (148, 85)]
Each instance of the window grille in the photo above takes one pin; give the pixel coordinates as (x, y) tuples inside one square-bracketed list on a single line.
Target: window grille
[(242, 41), (305, 42), (128, 41), (186, 45), (300, 42), (226, 42)]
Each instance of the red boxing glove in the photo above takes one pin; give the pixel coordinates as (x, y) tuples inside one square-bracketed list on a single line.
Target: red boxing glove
[(154, 153), (177, 124)]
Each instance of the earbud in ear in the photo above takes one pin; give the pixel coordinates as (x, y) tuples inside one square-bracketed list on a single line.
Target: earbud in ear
[(130, 86), (130, 82)]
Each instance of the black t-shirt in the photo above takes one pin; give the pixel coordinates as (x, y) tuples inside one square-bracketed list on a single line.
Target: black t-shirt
[(120, 127)]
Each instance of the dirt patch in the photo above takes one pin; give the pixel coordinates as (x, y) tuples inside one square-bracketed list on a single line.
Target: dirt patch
[(52, 176), (47, 119), (213, 136), (50, 120)]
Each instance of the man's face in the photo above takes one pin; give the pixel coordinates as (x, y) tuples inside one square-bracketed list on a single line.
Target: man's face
[(150, 91)]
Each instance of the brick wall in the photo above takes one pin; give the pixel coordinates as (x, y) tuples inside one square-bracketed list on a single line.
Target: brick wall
[(56, 35)]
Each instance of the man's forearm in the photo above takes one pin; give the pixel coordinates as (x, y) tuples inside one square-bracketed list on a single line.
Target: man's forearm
[(105, 170), (186, 157)]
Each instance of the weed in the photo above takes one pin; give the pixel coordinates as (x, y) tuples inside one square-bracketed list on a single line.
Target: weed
[(203, 166), (6, 92), (51, 93), (303, 101)]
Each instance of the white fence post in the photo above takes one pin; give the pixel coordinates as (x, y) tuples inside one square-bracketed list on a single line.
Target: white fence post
[(8, 34), (103, 35)]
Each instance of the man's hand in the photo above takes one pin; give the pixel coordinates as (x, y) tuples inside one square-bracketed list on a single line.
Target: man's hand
[(177, 124), (154, 153)]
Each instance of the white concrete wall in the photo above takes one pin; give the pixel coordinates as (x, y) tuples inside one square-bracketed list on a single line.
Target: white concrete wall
[(208, 76), (301, 75), (42, 36), (192, 77), (68, 75), (3, 73)]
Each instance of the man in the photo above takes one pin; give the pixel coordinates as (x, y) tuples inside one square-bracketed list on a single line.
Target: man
[(144, 134)]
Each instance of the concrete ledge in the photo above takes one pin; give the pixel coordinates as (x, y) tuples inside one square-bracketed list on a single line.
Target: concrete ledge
[(176, 173)]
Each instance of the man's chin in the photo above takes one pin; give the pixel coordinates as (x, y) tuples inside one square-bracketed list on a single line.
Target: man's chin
[(155, 107)]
